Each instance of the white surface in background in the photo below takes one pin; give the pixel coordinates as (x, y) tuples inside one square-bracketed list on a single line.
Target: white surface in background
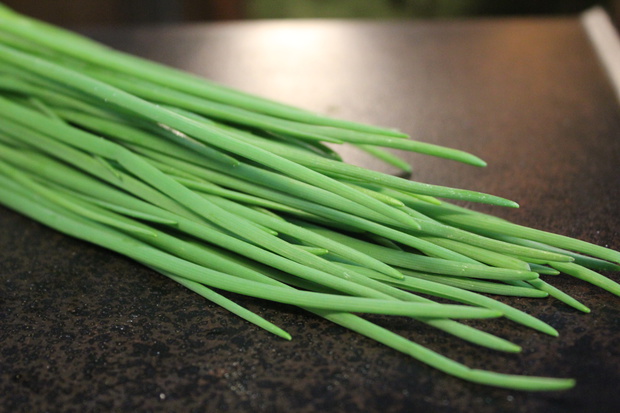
[(606, 42)]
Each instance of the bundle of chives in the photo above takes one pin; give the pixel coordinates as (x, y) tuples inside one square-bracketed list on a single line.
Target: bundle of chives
[(215, 188)]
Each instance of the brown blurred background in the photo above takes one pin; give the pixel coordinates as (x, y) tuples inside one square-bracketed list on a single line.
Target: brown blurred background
[(121, 12)]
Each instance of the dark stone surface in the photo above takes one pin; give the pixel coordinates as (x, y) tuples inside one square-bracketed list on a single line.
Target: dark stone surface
[(82, 329)]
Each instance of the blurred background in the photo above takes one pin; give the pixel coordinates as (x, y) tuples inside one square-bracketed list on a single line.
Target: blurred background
[(121, 12)]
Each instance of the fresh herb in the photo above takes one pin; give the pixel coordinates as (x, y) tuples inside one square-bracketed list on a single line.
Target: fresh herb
[(220, 190)]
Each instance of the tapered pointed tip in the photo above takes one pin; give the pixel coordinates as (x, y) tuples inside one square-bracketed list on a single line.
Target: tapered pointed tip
[(285, 335), (474, 161)]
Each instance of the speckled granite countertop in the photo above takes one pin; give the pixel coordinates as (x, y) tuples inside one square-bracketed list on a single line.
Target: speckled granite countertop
[(82, 329)]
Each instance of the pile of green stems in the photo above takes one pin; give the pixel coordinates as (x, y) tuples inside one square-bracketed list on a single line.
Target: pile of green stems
[(226, 192)]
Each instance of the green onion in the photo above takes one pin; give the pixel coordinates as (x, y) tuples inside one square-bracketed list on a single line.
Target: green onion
[(225, 192)]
